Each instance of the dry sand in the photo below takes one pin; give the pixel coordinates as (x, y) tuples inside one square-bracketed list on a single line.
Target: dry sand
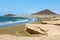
[(53, 33), (54, 37), (11, 37)]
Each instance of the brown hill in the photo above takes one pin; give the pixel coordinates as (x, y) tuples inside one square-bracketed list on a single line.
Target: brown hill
[(45, 12), (9, 15)]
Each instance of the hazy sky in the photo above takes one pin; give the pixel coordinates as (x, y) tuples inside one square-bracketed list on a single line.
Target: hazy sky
[(23, 7)]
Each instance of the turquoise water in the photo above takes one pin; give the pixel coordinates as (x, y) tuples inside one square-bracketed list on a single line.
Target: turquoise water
[(5, 19), (12, 21)]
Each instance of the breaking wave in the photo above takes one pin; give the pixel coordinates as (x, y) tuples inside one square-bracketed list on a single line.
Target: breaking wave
[(11, 23)]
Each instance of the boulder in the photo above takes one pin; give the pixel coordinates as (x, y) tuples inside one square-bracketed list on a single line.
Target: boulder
[(35, 29)]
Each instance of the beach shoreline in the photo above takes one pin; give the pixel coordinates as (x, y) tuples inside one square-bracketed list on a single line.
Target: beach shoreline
[(19, 30)]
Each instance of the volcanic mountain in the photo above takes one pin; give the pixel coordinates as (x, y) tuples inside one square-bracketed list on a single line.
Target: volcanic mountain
[(45, 12)]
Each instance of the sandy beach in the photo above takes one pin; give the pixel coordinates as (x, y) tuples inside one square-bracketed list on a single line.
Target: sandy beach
[(11, 37), (18, 32)]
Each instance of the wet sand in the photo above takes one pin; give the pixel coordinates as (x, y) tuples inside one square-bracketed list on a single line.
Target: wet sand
[(12, 29)]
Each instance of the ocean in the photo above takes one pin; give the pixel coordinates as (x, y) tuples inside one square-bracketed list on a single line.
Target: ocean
[(12, 21), (5, 19)]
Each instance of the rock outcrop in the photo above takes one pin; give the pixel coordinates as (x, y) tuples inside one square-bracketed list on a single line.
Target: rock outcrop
[(35, 29), (10, 15), (46, 29)]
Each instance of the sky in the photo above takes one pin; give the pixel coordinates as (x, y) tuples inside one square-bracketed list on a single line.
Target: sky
[(25, 7)]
